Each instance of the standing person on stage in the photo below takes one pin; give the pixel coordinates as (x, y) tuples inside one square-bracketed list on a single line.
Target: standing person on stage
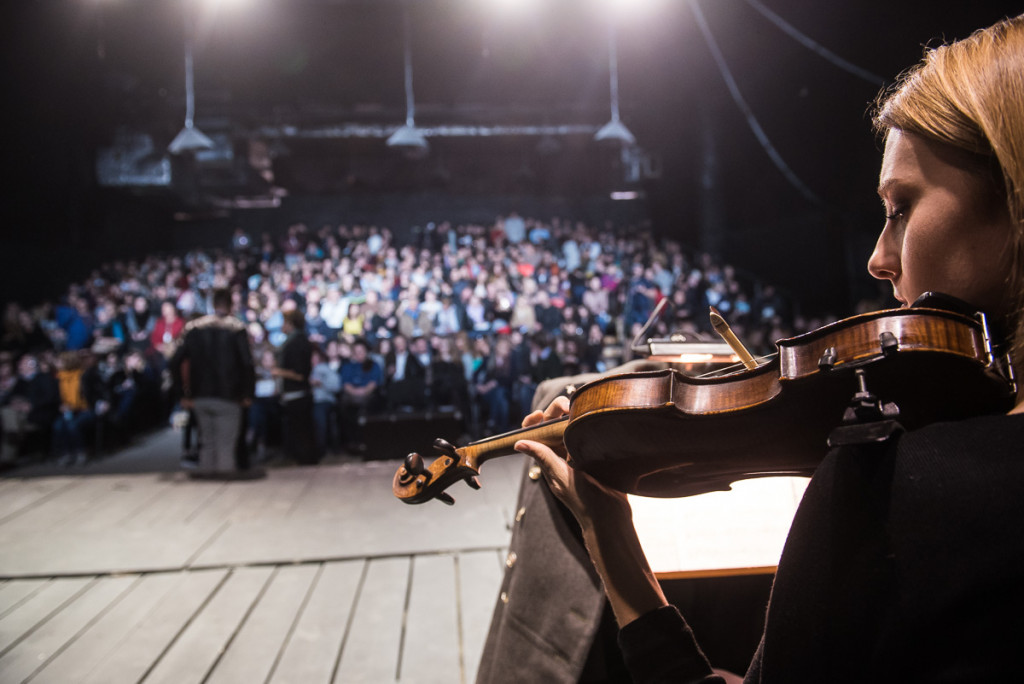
[(294, 366), (905, 560), (214, 369)]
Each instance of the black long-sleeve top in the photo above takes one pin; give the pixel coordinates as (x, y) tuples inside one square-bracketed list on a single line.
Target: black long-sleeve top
[(904, 562)]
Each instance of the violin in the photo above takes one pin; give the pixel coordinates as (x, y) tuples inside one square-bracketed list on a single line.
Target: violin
[(664, 434)]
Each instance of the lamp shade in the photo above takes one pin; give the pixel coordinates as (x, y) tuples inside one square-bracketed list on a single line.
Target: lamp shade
[(615, 131), (189, 139), (408, 137)]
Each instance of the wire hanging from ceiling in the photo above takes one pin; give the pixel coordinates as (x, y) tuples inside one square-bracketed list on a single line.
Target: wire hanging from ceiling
[(815, 47), (752, 122)]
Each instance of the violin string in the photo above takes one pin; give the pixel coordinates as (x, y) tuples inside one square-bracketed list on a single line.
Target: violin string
[(734, 367)]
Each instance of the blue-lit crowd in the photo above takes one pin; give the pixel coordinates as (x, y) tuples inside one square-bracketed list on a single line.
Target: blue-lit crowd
[(464, 319)]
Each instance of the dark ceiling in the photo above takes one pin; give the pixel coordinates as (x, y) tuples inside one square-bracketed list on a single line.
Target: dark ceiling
[(81, 74)]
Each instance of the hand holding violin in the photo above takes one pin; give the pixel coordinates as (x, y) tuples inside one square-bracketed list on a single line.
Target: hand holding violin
[(606, 519), (582, 494)]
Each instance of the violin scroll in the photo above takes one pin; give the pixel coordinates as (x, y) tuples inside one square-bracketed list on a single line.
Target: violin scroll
[(416, 483)]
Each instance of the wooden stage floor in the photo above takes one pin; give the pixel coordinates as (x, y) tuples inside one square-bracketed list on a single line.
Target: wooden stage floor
[(314, 574)]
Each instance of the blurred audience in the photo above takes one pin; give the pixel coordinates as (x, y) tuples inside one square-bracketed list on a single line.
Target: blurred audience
[(465, 319)]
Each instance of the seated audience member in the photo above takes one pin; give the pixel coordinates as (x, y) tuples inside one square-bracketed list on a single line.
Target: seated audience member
[(139, 320), (317, 329), (166, 330), (22, 332), (448, 388), (406, 377), (75, 322), (333, 309), (82, 399), (326, 384), (352, 324), (361, 380), (30, 405), (540, 363), (423, 354), (109, 332), (119, 388), (492, 384), (450, 318)]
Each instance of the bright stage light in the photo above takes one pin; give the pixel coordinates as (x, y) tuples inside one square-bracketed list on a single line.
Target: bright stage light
[(631, 8), (513, 6), (225, 4)]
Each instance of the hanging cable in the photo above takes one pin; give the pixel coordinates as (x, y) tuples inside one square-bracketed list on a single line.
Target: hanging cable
[(737, 96), (811, 45)]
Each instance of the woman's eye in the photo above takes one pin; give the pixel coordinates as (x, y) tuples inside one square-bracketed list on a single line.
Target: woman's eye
[(894, 215)]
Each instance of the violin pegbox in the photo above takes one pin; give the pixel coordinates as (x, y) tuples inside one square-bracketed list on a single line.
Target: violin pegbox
[(416, 483)]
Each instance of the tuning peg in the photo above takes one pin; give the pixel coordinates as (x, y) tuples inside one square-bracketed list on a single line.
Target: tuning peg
[(414, 464), (445, 447), (445, 498), (473, 482)]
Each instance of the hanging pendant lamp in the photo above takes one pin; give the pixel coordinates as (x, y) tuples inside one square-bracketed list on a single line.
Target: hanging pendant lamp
[(408, 137), (614, 130), (190, 139)]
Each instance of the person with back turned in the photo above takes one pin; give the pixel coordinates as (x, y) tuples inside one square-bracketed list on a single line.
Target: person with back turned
[(905, 559), (214, 369)]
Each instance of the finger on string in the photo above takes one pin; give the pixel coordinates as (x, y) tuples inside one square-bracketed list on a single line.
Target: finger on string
[(557, 408), (533, 418)]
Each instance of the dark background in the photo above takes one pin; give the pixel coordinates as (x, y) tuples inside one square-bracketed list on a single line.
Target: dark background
[(80, 75)]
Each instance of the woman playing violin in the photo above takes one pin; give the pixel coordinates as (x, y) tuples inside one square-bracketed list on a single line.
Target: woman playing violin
[(904, 561)]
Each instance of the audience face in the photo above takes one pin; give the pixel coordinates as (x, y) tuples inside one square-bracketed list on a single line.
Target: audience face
[(28, 365), (168, 312)]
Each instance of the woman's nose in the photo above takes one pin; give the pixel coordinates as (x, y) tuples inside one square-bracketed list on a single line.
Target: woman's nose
[(884, 263)]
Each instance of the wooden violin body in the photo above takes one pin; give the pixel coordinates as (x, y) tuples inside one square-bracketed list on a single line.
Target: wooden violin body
[(664, 434)]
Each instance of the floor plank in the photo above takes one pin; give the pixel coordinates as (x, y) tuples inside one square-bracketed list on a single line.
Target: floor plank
[(39, 647), (122, 499), (91, 649), (256, 648), (180, 503), (197, 650), (432, 652), (300, 578), (70, 549), (31, 614), (128, 660), (370, 651), (480, 575), (68, 506), (13, 592), (311, 651), (21, 496)]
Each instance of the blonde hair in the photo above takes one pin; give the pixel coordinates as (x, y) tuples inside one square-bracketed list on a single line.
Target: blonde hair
[(970, 95)]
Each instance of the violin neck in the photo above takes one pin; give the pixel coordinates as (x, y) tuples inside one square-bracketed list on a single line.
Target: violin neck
[(548, 433)]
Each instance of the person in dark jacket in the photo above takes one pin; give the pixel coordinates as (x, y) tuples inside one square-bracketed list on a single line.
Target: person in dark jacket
[(294, 366), (904, 561), (214, 369), (29, 407)]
